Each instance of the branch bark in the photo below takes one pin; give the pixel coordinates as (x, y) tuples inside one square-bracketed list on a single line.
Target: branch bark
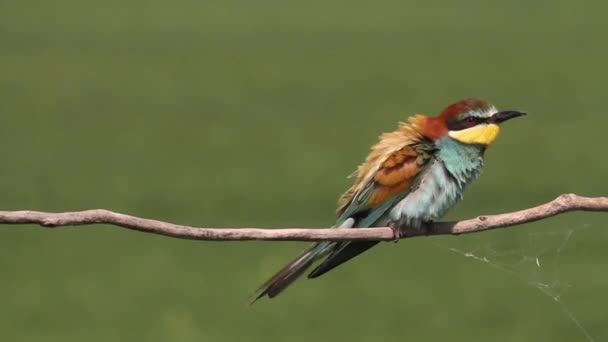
[(562, 204)]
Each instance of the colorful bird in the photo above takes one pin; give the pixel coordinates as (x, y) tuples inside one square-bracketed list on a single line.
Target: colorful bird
[(411, 177)]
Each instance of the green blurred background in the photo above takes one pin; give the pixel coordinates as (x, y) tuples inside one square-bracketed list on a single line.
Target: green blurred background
[(243, 113)]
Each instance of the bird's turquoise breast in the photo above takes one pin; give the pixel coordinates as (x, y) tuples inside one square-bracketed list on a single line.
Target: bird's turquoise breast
[(441, 185)]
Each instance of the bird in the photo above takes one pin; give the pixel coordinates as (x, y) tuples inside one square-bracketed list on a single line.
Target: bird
[(410, 178)]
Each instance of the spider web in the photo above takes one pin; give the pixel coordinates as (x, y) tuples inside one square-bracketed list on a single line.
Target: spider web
[(533, 258)]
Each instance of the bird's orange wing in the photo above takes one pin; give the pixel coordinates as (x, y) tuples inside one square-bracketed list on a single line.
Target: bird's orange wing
[(389, 170), (396, 174)]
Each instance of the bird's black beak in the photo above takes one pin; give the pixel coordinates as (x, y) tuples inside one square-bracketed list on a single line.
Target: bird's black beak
[(505, 115)]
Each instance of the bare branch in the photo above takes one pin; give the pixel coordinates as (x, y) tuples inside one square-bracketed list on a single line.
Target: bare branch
[(562, 204)]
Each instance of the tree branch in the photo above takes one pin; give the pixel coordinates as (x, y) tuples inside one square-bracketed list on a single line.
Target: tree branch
[(562, 204)]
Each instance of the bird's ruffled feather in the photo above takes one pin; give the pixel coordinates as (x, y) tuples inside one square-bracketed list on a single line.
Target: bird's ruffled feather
[(389, 169)]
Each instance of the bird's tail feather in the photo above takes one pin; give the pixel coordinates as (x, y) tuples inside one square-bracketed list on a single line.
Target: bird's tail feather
[(292, 271), (341, 254)]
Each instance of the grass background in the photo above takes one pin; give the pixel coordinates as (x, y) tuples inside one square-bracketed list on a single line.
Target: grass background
[(240, 113)]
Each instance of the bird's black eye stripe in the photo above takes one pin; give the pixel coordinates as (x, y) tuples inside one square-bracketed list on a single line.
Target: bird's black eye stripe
[(468, 122)]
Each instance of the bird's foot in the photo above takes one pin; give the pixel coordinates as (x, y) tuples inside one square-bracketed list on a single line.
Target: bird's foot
[(397, 231), (400, 230)]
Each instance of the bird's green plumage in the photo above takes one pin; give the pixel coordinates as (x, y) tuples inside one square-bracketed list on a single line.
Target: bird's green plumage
[(441, 185), (438, 186)]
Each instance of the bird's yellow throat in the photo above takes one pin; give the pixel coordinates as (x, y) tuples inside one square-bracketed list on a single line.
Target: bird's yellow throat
[(484, 134)]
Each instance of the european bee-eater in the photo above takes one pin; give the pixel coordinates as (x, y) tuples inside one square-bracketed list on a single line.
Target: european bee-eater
[(411, 177)]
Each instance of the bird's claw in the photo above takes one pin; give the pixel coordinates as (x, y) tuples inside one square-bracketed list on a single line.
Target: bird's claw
[(397, 233), (400, 230)]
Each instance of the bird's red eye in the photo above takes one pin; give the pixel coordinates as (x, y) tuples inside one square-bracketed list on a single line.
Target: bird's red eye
[(471, 120)]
